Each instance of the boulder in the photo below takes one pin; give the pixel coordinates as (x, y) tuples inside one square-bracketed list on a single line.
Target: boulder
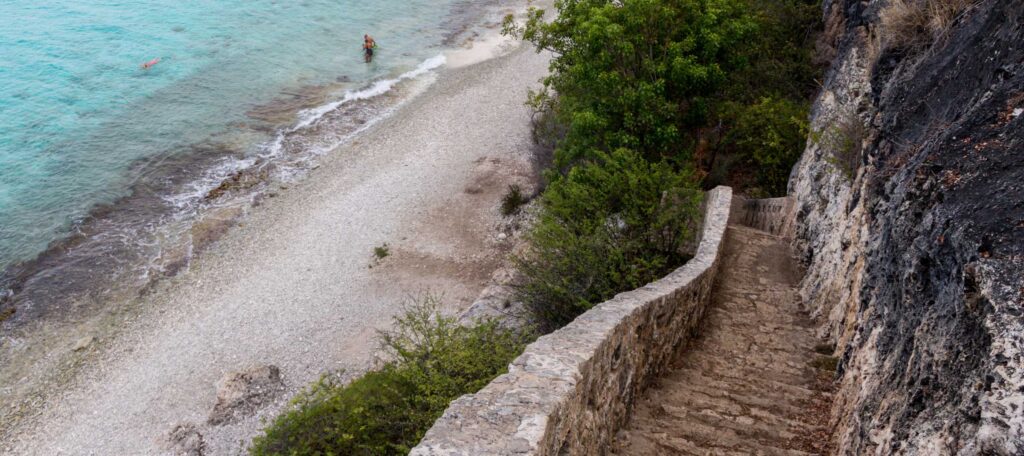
[(240, 394), (186, 440)]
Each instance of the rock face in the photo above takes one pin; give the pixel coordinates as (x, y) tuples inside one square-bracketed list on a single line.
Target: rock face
[(913, 237), (239, 394)]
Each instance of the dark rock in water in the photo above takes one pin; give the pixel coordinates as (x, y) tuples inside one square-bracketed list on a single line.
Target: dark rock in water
[(186, 440), (343, 78), (240, 394)]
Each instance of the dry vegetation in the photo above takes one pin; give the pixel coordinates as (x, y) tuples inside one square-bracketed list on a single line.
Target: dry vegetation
[(914, 24)]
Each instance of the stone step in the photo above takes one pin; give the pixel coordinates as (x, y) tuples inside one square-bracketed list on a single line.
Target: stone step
[(757, 423), (745, 386), (665, 445), (716, 435), (722, 365), (735, 398)]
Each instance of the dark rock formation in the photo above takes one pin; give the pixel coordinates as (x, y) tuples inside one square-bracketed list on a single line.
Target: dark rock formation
[(915, 255)]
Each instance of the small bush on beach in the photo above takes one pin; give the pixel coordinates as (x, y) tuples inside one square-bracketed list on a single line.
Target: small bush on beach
[(611, 225), (433, 360), (382, 251), (512, 200)]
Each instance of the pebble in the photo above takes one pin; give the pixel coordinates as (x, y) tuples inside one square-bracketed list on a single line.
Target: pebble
[(83, 343)]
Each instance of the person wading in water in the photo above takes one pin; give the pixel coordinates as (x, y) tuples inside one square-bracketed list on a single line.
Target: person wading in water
[(368, 45)]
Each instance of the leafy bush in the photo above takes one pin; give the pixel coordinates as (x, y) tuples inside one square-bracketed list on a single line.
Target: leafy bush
[(608, 226), (780, 62), (434, 360), (636, 74), (771, 134), (760, 129), (512, 200), (667, 78), (382, 251)]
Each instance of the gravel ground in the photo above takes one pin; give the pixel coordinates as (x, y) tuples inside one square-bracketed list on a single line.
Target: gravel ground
[(293, 285)]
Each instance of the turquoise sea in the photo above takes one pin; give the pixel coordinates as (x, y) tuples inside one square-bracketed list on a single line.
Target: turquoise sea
[(102, 162)]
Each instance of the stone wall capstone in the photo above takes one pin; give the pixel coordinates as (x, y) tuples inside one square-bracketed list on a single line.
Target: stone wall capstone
[(572, 390)]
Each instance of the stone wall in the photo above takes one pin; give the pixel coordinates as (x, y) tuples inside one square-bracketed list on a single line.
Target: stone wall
[(774, 215), (571, 390)]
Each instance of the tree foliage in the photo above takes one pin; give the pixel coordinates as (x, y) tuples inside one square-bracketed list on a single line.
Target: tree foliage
[(610, 225), (636, 74), (771, 133)]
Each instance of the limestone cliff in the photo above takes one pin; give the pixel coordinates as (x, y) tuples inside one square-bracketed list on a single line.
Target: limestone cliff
[(910, 221)]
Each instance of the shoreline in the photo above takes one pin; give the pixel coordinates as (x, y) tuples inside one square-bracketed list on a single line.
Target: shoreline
[(74, 292), (122, 247), (426, 257)]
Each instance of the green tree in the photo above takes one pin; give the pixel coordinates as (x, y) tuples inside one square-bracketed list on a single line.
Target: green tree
[(638, 74), (771, 134)]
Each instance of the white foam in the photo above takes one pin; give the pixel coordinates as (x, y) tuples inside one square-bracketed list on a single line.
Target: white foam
[(308, 117), (197, 190)]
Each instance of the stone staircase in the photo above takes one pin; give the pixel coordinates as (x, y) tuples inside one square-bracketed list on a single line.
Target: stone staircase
[(747, 384)]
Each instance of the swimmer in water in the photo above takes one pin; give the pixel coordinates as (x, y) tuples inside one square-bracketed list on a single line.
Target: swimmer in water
[(149, 64), (368, 45)]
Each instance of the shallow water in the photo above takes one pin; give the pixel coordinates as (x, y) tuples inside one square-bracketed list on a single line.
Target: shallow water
[(104, 165), (78, 115)]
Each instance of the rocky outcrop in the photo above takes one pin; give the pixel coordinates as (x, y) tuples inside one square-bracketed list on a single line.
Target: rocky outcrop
[(571, 390), (186, 440), (910, 221), (239, 394)]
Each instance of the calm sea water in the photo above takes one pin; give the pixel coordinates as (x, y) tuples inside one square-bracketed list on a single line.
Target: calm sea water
[(85, 133)]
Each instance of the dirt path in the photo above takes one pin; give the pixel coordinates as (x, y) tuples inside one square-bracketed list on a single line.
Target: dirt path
[(745, 385)]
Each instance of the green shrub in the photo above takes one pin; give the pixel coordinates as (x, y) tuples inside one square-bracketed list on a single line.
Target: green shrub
[(382, 251), (512, 200), (608, 226), (636, 74), (434, 360), (760, 127), (771, 134), (780, 62)]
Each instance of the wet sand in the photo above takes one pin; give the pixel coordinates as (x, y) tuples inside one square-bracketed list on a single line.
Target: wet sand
[(296, 284)]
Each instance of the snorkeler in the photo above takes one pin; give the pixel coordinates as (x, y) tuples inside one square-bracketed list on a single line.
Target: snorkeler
[(149, 64), (368, 45)]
